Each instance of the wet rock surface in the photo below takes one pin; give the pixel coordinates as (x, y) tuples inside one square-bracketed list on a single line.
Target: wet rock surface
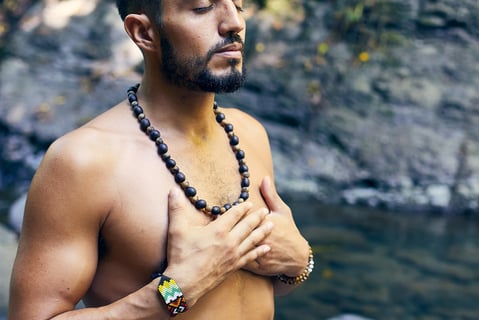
[(8, 248), (391, 126)]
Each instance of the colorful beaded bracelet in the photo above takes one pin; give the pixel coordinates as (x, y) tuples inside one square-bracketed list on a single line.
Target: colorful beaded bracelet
[(303, 276), (171, 294)]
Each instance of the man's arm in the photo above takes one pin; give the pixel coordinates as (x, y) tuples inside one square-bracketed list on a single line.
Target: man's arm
[(57, 255), (290, 251)]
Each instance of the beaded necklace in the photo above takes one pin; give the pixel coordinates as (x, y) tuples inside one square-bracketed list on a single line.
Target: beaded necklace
[(180, 178)]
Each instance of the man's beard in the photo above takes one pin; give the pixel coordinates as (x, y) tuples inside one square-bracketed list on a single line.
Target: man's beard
[(193, 73)]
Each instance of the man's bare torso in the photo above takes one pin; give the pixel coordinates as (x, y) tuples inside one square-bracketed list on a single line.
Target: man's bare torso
[(133, 233)]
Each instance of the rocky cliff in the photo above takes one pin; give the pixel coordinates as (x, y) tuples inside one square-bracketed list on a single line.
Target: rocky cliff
[(366, 102)]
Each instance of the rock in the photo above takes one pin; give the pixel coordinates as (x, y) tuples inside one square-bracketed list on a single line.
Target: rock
[(342, 129), (8, 248), (62, 96), (439, 195), (15, 215)]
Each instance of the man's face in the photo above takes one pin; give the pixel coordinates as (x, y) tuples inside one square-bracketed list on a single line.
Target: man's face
[(202, 44)]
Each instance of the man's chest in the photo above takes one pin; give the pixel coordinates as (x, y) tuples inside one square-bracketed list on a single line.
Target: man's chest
[(138, 221)]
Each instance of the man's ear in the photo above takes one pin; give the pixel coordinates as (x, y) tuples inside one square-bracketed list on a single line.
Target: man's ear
[(141, 31)]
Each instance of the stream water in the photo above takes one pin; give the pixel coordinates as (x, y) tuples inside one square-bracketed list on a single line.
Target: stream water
[(382, 265)]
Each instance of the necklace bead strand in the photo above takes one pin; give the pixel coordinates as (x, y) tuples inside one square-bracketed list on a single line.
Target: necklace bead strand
[(170, 163)]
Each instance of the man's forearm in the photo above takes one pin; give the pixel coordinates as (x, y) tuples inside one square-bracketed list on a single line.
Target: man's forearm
[(142, 304)]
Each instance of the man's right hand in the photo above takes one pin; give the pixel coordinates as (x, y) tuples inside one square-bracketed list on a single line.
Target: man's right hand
[(201, 256)]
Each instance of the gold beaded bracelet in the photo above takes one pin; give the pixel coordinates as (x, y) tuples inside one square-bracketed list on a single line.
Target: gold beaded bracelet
[(303, 276)]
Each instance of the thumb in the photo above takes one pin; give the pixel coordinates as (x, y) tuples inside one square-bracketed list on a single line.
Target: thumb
[(176, 206), (270, 196)]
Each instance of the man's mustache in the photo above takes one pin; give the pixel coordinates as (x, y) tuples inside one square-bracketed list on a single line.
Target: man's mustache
[(229, 40)]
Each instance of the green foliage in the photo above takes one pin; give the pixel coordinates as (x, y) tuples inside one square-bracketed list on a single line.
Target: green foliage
[(369, 24), (364, 24)]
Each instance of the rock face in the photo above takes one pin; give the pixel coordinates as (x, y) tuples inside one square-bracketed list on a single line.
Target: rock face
[(389, 122), (8, 248)]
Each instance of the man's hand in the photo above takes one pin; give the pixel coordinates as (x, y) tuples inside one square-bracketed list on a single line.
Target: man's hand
[(289, 250), (200, 256)]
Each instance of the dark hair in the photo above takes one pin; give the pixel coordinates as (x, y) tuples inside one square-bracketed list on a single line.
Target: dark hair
[(152, 8)]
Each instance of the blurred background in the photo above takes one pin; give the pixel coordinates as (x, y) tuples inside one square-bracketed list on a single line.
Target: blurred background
[(372, 107)]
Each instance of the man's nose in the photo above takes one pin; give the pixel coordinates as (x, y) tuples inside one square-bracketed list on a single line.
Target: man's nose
[(231, 19)]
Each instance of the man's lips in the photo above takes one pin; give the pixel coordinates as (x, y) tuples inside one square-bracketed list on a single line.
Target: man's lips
[(231, 48)]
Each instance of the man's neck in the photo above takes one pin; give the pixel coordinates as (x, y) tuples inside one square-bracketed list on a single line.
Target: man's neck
[(173, 108)]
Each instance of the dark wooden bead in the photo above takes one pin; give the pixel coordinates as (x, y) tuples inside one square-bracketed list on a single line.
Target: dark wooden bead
[(244, 195), (240, 155), (170, 163), (200, 204), (244, 182), (243, 168), (144, 124), (179, 177), (132, 97), (162, 148), (137, 110), (228, 127), (134, 88), (215, 210), (190, 192), (220, 117), (154, 134), (234, 140)]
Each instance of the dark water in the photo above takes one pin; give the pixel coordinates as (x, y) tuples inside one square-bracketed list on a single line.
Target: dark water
[(383, 265), (387, 266)]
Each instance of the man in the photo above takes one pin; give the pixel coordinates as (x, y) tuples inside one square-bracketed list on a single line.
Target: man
[(108, 207)]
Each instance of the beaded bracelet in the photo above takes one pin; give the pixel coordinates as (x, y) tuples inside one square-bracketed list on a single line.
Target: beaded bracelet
[(303, 276), (171, 294)]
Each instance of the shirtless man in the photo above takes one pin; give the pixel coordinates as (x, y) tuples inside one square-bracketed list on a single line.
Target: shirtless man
[(104, 213)]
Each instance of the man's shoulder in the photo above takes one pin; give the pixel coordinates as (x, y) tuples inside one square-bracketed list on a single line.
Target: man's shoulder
[(93, 140), (242, 118), (82, 149)]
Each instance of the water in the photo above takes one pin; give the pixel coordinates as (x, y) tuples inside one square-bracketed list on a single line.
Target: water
[(387, 266), (383, 265)]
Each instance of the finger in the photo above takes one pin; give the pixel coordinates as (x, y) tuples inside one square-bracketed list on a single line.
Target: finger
[(253, 254), (255, 237), (231, 218), (249, 223)]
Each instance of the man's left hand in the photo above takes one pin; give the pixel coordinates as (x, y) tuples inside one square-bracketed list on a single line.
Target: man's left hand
[(289, 250)]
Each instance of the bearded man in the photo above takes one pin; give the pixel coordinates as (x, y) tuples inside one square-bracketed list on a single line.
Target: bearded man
[(160, 206)]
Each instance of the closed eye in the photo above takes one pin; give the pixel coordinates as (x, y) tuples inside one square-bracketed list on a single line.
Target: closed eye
[(239, 5), (204, 9)]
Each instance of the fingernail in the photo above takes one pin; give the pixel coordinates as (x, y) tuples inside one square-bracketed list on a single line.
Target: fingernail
[(175, 192), (267, 249)]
